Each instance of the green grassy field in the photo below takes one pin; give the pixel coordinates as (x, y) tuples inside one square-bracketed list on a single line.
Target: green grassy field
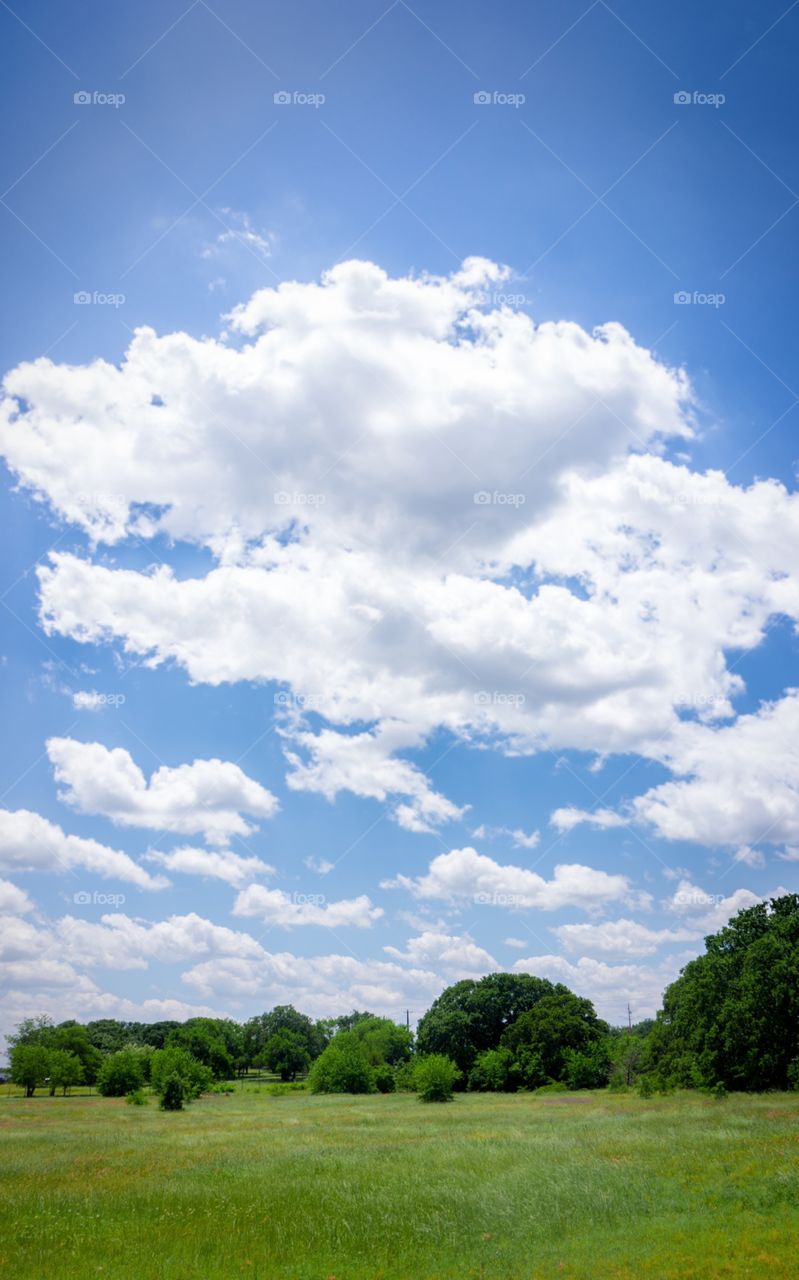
[(307, 1188)]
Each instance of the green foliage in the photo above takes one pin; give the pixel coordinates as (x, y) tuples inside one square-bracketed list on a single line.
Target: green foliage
[(383, 1040), (627, 1052), (552, 1086), (215, 1042), (435, 1077), (733, 1014), (541, 1038), (471, 1017), (72, 1038), (646, 1087), (174, 1062), (283, 1018), (587, 1068), (494, 1071), (286, 1052), (30, 1065), (174, 1093), (342, 1067), (403, 1078), (121, 1073), (65, 1070), (384, 1079), (283, 1089), (136, 1098)]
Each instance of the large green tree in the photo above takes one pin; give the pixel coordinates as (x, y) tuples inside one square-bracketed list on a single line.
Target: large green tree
[(732, 1017), (542, 1040), (471, 1016)]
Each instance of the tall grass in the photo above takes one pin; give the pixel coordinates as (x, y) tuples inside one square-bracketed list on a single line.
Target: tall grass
[(307, 1188)]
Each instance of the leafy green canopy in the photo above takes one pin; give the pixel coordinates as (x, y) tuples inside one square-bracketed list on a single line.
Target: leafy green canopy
[(732, 1017), (471, 1016)]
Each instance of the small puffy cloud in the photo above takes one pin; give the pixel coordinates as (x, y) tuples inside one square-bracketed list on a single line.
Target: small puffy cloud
[(518, 944), (620, 938), (567, 819), (363, 763), (218, 864), (276, 907), (521, 839), (241, 231), (320, 865), (466, 875), (709, 911), (29, 842), (207, 796), (121, 942), (457, 956)]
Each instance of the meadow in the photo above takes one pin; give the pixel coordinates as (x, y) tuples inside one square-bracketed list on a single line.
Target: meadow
[(502, 1187)]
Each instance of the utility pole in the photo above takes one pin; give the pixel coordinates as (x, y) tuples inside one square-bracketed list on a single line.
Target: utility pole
[(408, 1019), (629, 1016)]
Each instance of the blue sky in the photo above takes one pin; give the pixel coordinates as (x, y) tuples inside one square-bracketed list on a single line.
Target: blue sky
[(442, 696)]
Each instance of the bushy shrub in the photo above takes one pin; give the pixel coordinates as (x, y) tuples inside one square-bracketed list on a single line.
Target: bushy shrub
[(342, 1068), (552, 1086), (136, 1098), (173, 1061), (174, 1094), (494, 1071), (646, 1087), (384, 1078), (121, 1073), (587, 1068), (435, 1077), (403, 1078)]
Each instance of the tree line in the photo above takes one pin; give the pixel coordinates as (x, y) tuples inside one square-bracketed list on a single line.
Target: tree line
[(730, 1021)]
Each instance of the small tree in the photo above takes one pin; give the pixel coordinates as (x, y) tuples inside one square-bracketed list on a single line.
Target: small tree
[(342, 1068), (286, 1053), (174, 1094), (173, 1061), (121, 1073), (30, 1066), (66, 1069), (435, 1077)]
